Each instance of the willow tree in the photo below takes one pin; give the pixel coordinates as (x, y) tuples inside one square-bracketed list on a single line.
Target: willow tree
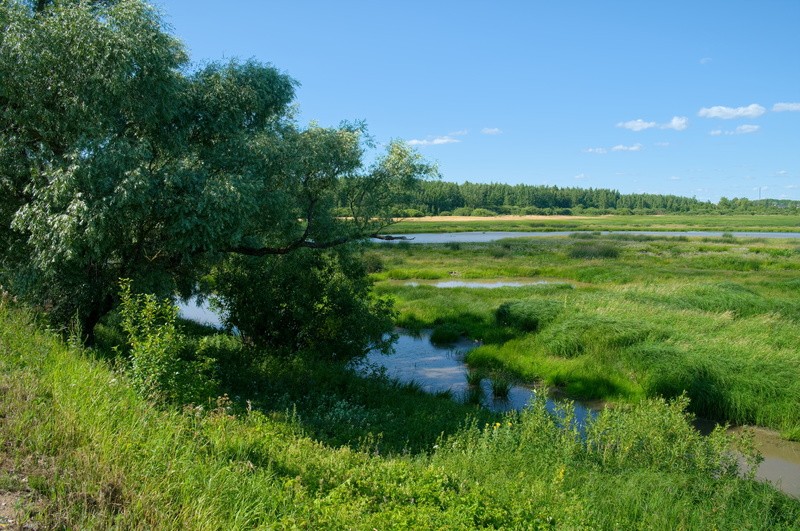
[(118, 161)]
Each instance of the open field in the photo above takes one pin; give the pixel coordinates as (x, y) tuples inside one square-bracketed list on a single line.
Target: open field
[(623, 317), (81, 450), (672, 222)]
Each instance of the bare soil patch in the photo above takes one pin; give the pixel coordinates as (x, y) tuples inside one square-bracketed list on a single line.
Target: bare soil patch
[(13, 510)]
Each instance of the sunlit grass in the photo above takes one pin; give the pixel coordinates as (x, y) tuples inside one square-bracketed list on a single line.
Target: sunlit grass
[(718, 318), (105, 458)]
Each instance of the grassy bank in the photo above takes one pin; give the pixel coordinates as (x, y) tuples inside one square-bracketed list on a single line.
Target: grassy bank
[(95, 456), (625, 317), (667, 222)]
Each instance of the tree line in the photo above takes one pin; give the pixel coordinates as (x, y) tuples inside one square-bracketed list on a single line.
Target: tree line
[(435, 198)]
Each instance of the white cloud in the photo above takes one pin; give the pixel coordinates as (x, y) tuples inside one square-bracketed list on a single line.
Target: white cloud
[(580, 176), (679, 123), (792, 186), (674, 178), (705, 60), (462, 132), (779, 107), (599, 150), (746, 129), (783, 172), (741, 130), (491, 131), (636, 125), (662, 144), (438, 141), (726, 113), (620, 147)]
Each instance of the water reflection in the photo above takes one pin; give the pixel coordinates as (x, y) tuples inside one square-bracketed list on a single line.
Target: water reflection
[(442, 369), (198, 312)]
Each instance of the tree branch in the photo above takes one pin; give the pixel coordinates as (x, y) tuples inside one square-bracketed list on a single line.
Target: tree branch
[(308, 244)]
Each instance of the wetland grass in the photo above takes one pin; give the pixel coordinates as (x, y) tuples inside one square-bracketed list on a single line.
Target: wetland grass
[(501, 385), (718, 320)]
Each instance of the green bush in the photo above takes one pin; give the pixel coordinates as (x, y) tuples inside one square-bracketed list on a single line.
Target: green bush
[(527, 315), (483, 212), (159, 367), (373, 263)]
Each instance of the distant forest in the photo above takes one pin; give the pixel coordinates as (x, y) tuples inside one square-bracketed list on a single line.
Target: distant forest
[(432, 198)]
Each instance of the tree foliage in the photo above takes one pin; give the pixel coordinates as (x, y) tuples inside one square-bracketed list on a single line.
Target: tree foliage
[(119, 161), (437, 197)]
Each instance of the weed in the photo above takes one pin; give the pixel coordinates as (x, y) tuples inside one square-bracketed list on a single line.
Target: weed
[(474, 377), (501, 385)]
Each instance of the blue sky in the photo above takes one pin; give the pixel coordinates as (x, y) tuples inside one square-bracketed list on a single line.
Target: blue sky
[(694, 98)]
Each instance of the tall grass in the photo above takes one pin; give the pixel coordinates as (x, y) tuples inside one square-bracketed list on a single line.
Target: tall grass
[(715, 319), (106, 458)]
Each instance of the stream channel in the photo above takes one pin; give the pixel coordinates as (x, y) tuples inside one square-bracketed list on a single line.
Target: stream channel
[(442, 369)]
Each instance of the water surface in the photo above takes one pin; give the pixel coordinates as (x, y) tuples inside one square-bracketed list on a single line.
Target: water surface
[(439, 369)]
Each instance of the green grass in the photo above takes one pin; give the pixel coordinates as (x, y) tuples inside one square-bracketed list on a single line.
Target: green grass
[(718, 318), (101, 457)]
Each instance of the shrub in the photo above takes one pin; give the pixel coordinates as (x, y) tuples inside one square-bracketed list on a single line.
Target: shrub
[(483, 212), (527, 315), (373, 263), (157, 350), (659, 435)]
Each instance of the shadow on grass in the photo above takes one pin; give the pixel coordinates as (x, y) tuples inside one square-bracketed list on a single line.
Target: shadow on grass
[(454, 327), (330, 403)]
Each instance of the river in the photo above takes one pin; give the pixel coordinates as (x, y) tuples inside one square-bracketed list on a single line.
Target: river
[(439, 369)]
